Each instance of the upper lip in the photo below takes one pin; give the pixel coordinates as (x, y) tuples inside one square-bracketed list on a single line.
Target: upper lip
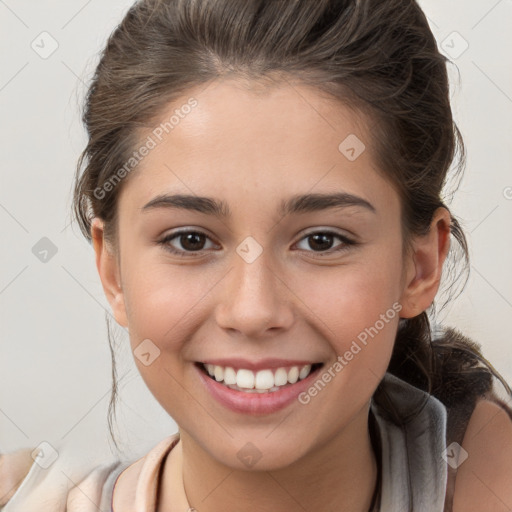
[(262, 364)]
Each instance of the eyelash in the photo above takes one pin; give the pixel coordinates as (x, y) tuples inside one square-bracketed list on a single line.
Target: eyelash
[(347, 242)]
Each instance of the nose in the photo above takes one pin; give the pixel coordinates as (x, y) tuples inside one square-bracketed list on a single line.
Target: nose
[(256, 299)]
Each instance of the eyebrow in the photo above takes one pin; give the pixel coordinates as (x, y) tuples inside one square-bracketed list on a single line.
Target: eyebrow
[(296, 204)]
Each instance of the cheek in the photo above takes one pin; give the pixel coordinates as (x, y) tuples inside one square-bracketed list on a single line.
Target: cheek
[(163, 299), (357, 309), (163, 303)]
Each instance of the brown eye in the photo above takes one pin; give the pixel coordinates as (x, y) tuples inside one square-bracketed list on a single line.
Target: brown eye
[(192, 241), (322, 242), (184, 242)]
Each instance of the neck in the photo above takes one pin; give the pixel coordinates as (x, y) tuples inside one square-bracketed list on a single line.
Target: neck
[(340, 474)]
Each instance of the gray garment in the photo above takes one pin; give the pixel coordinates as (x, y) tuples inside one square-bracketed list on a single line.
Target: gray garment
[(412, 428)]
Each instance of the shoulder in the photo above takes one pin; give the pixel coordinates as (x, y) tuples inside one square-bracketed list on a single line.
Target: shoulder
[(139, 482), (14, 468), (484, 478), (33, 483), (76, 480)]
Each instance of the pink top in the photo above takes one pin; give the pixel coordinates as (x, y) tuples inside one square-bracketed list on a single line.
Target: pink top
[(137, 488), (112, 487)]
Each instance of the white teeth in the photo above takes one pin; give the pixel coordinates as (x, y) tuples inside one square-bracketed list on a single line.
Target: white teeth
[(262, 381), (229, 376), (293, 375), (245, 379), (219, 373), (304, 371), (281, 377)]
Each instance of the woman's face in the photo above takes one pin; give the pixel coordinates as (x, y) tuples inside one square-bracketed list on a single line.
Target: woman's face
[(276, 272)]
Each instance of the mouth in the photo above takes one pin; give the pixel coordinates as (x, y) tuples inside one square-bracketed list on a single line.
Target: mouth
[(257, 392), (264, 381)]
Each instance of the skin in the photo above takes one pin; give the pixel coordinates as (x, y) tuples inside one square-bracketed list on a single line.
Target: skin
[(483, 479), (252, 147)]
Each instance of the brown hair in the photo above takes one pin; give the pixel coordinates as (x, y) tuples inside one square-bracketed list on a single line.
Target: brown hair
[(378, 56)]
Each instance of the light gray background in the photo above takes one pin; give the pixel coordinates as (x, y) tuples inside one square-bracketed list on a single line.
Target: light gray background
[(55, 362)]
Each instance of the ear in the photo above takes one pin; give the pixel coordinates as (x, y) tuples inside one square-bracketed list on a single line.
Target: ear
[(108, 269), (425, 265)]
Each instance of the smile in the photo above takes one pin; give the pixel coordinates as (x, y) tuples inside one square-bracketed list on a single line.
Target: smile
[(263, 381), (252, 392)]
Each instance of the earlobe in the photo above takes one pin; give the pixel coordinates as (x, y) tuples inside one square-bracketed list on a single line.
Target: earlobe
[(109, 272), (426, 265)]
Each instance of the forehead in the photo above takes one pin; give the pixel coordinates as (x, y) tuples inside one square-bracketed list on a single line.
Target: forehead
[(241, 143)]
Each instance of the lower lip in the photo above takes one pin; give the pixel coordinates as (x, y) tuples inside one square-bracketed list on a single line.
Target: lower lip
[(255, 404)]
